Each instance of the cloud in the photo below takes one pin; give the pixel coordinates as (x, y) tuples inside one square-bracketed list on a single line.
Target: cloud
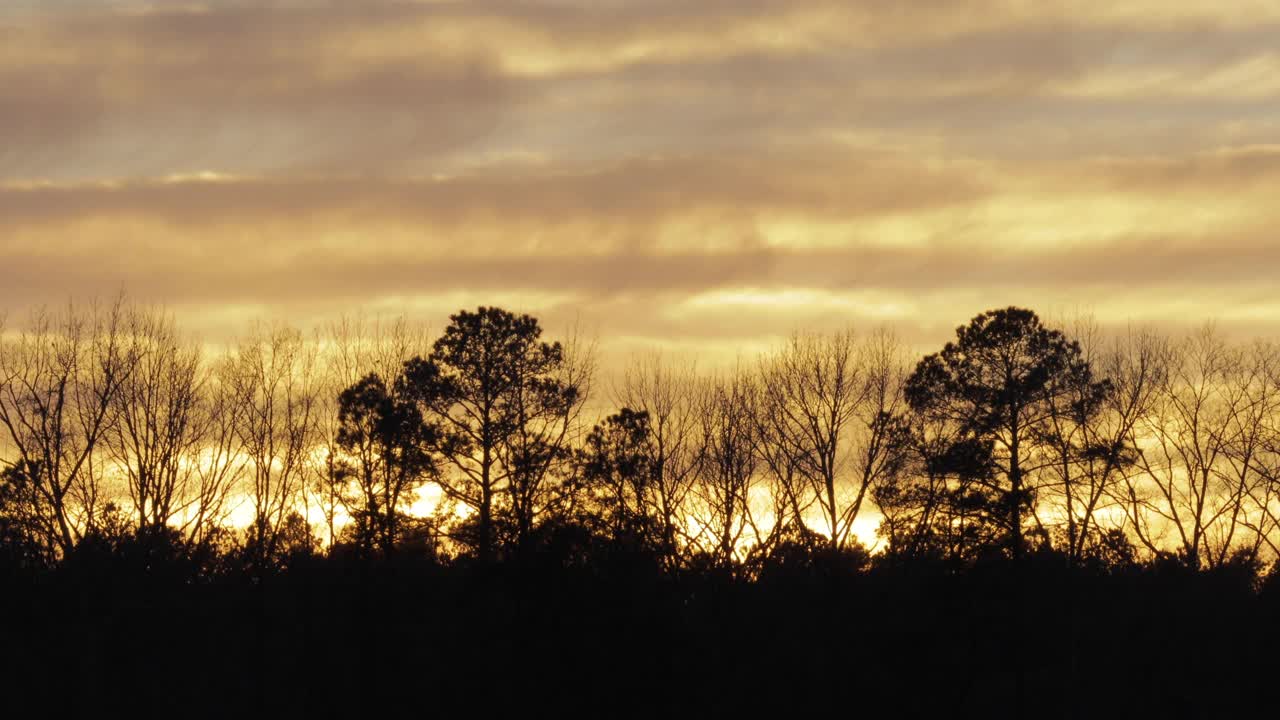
[(619, 203), (709, 172), (236, 260), (250, 89), (788, 217), (405, 88)]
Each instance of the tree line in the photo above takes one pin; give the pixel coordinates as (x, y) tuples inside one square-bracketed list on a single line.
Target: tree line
[(1032, 521), (483, 444)]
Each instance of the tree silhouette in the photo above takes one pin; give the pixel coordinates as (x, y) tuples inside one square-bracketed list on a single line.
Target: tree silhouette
[(1036, 521), (352, 347), (617, 470), (388, 449), (507, 403), (669, 398), (1091, 437), (173, 432), (59, 378), (272, 382), (828, 403), (998, 385), (22, 544), (1210, 465), (727, 472), (934, 503)]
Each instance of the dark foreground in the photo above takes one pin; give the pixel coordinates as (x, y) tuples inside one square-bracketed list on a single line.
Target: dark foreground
[(331, 638)]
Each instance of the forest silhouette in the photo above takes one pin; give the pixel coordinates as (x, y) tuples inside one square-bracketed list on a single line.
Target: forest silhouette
[(376, 520)]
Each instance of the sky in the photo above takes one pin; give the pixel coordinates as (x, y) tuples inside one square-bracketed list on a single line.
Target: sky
[(700, 175)]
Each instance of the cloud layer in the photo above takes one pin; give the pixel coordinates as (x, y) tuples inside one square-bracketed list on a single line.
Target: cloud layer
[(705, 174)]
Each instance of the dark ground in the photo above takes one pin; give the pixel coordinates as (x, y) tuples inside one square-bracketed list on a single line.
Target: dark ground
[(332, 638)]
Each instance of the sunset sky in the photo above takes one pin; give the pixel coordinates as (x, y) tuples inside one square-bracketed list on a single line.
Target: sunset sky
[(697, 174)]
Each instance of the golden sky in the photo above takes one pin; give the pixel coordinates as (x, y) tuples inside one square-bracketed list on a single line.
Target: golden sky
[(702, 174)]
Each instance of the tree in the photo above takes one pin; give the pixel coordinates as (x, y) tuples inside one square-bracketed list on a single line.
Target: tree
[(271, 377), (508, 405), (617, 467), (170, 440), (667, 395), (23, 544), (933, 503), (1205, 452), (350, 348), (1091, 437), (219, 462), (387, 450), (1264, 459), (59, 378), (997, 386), (825, 428), (727, 471)]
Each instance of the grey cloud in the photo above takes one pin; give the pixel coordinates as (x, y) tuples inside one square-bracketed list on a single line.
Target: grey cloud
[(271, 88), (819, 181), (307, 273), (1194, 263), (251, 90), (605, 233), (814, 180), (997, 90), (1229, 171)]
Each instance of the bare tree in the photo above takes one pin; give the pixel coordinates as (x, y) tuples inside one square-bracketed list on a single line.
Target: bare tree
[(219, 462), (271, 376), (1250, 462), (60, 375), (1090, 434), (826, 424), (1264, 518), (726, 475), (169, 440), (1198, 446), (667, 394)]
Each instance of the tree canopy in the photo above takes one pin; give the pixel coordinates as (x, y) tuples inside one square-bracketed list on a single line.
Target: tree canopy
[(995, 390)]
